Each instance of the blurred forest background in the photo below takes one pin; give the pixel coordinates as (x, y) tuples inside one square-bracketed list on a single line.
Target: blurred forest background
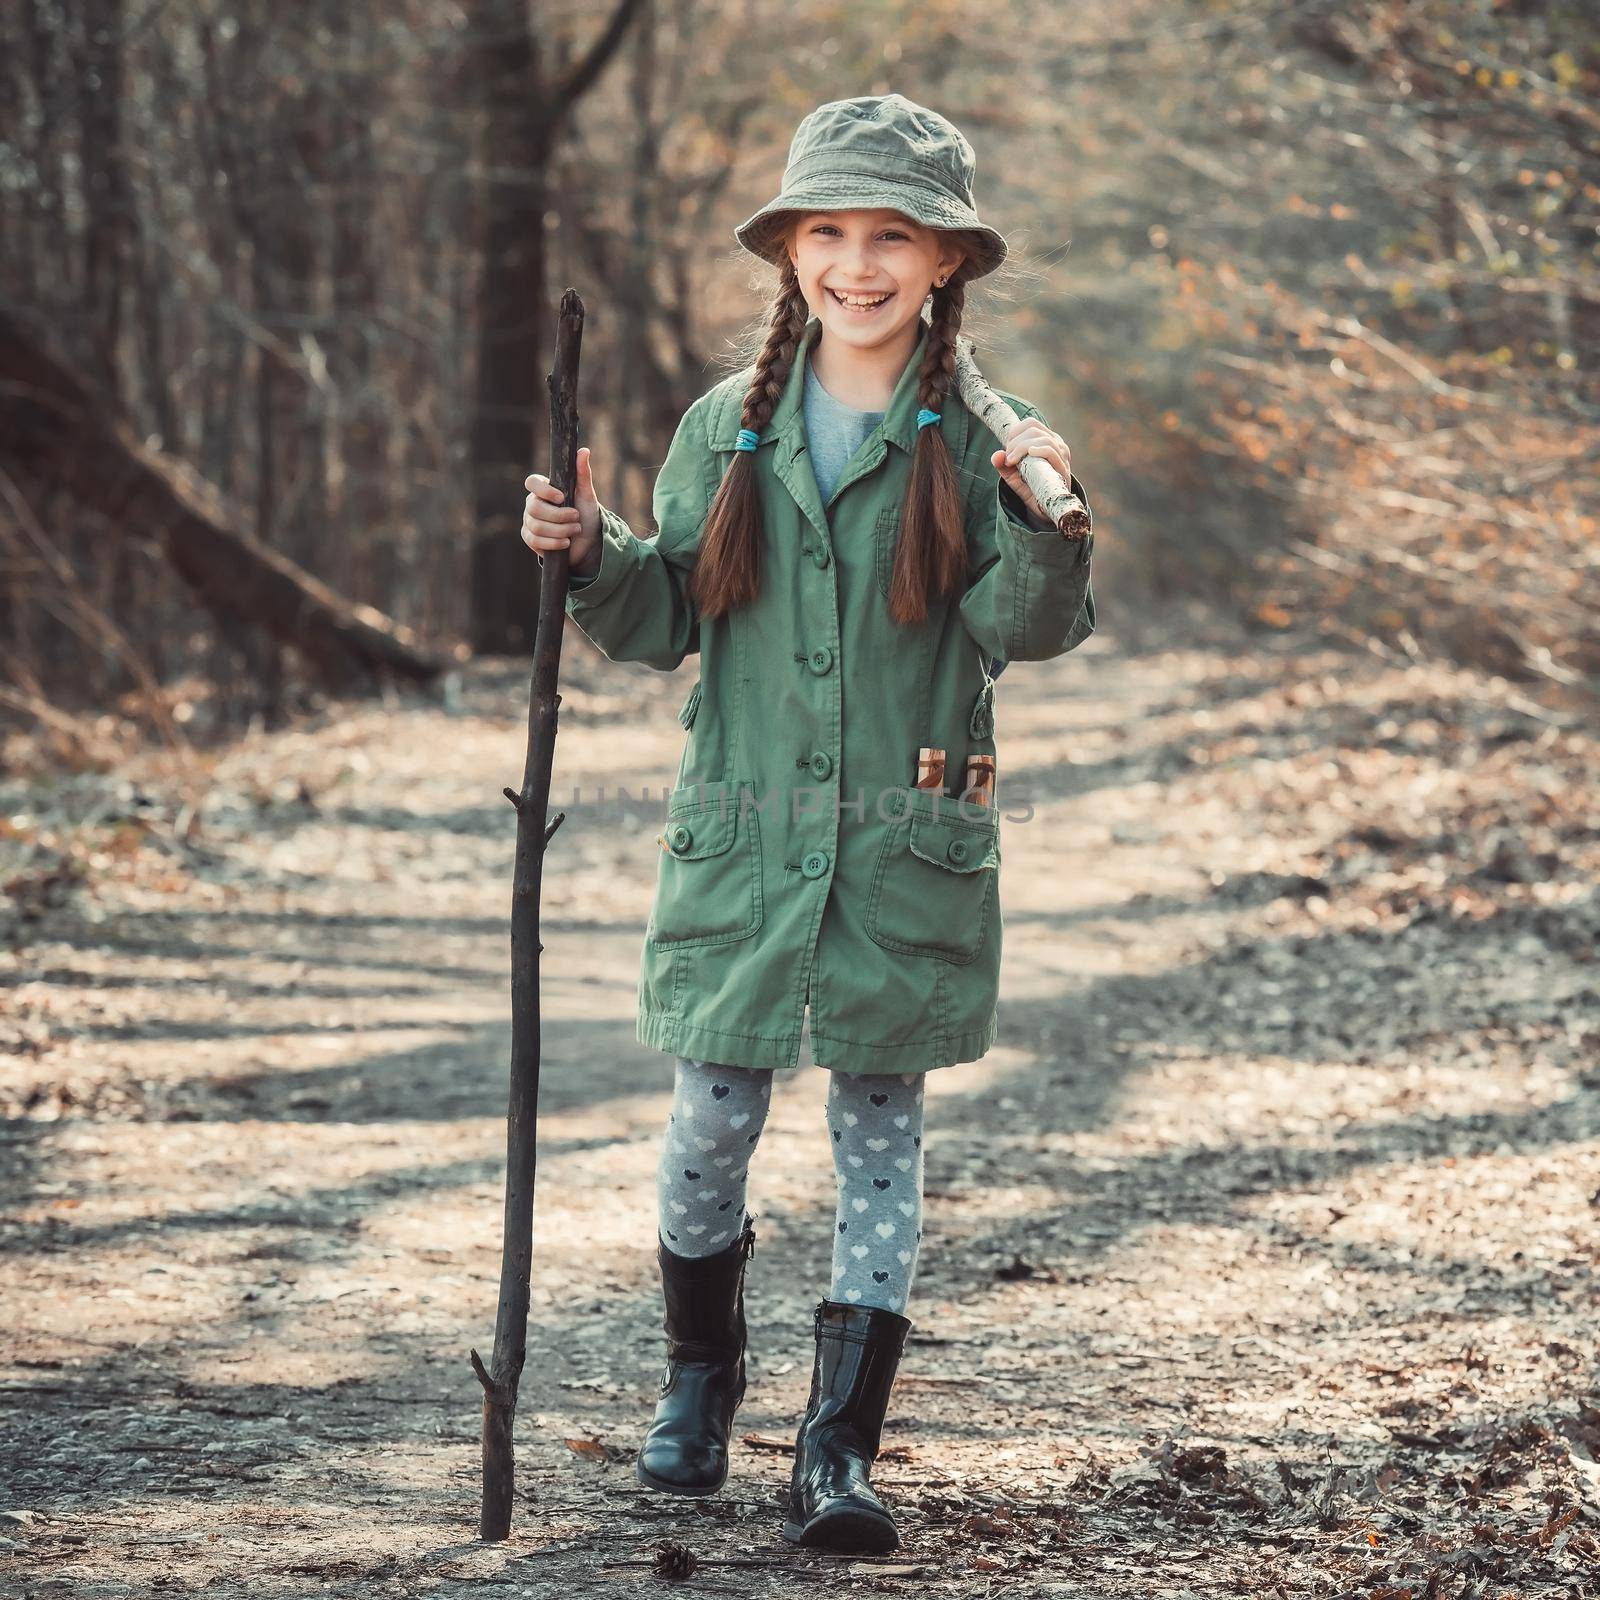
[(1313, 289)]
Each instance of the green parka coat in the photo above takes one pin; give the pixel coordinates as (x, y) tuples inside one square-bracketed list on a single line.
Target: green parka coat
[(798, 865)]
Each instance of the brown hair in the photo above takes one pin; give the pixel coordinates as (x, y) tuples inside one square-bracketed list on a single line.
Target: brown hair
[(931, 553)]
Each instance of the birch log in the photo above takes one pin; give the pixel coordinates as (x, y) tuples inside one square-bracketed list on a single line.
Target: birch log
[(1059, 504)]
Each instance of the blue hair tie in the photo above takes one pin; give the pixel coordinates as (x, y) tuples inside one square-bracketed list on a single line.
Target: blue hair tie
[(925, 416), (747, 439)]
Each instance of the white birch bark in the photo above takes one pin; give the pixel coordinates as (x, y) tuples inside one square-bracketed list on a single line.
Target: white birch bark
[(1056, 499)]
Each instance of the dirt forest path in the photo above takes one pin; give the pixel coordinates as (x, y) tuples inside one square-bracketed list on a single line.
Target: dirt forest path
[(1260, 1252)]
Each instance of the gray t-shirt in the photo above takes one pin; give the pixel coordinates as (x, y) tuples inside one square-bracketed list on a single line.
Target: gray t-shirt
[(834, 432)]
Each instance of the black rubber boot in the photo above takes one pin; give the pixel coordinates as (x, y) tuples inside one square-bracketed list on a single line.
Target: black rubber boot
[(685, 1448), (831, 1503)]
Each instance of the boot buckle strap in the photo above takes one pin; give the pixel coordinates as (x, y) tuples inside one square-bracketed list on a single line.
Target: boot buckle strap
[(702, 1352)]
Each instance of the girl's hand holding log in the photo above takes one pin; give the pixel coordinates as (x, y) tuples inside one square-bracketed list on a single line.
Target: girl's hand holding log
[(1049, 495), (549, 523), (1031, 437)]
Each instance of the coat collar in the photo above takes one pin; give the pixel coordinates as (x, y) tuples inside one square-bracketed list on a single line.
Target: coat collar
[(787, 422)]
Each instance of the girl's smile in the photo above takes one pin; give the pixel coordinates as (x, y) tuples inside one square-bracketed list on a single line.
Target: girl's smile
[(861, 304)]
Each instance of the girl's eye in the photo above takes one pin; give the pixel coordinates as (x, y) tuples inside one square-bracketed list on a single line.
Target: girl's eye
[(888, 233)]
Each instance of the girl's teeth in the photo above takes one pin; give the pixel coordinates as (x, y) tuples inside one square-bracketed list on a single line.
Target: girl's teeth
[(856, 305)]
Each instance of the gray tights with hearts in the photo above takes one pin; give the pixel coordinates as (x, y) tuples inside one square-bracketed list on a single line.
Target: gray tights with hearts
[(875, 1128)]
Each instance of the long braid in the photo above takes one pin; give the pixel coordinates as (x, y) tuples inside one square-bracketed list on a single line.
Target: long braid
[(938, 375), (789, 315), (727, 569), (931, 552)]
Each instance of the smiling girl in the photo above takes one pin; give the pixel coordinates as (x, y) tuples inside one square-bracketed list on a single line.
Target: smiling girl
[(849, 556)]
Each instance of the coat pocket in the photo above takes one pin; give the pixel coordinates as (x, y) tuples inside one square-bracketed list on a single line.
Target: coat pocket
[(708, 885), (937, 879), (885, 540)]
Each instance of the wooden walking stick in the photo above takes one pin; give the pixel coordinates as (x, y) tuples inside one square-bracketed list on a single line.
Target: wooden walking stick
[(533, 836), (1056, 498)]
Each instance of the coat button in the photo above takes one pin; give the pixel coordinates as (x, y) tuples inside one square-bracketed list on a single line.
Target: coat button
[(819, 554), (821, 764), (958, 850), (821, 659), (814, 864), (681, 837)]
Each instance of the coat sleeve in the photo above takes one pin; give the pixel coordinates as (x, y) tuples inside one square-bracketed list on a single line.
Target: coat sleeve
[(1029, 598), (637, 605)]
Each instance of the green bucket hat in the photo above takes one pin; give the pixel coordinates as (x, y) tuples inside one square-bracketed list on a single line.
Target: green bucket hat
[(878, 150)]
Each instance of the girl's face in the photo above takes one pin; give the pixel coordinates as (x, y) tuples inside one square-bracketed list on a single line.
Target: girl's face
[(866, 274)]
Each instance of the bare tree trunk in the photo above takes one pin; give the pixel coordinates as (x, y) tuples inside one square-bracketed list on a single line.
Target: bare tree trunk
[(635, 402), (107, 197), (53, 418), (511, 311), (51, 241), (357, 497), (524, 115)]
